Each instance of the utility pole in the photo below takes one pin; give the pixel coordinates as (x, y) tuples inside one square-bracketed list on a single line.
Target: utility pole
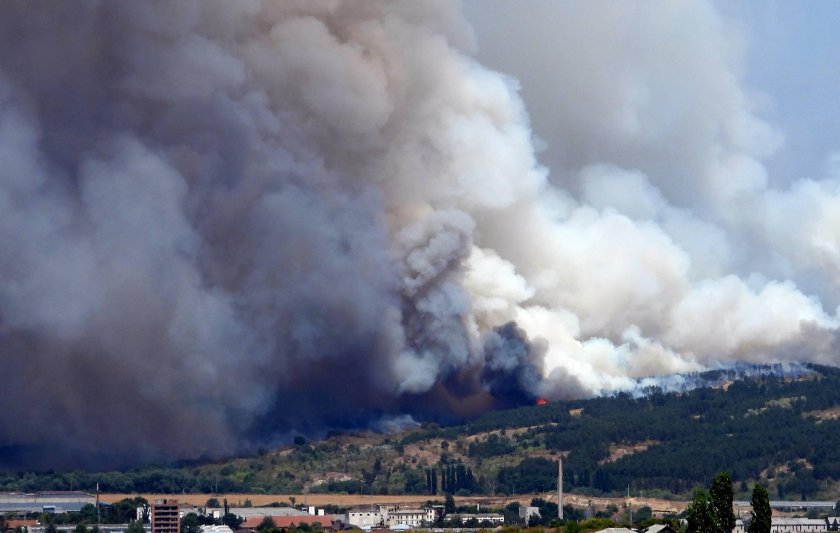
[(98, 517), (560, 488)]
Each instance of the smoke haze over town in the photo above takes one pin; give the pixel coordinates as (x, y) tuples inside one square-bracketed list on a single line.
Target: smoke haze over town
[(223, 224)]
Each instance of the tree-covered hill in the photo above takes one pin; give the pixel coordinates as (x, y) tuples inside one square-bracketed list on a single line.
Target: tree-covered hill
[(782, 430)]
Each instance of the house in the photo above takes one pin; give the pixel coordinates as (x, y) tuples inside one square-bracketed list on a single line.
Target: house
[(660, 528)]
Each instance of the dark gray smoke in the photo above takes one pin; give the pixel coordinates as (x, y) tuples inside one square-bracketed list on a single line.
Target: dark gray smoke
[(223, 223), (198, 247)]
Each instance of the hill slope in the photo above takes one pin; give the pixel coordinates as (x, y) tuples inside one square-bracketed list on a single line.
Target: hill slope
[(784, 431)]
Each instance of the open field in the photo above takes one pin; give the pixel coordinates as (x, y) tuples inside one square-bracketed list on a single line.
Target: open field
[(353, 500)]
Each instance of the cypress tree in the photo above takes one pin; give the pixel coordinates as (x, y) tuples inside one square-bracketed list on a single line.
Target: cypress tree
[(761, 513), (699, 514), (721, 496)]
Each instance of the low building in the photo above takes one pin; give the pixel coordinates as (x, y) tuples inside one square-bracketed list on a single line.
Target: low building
[(796, 525), (216, 529), (286, 521), (410, 517), (527, 514), (365, 517), (247, 512), (479, 518), (71, 528), (45, 501), (390, 517), (25, 525), (660, 528)]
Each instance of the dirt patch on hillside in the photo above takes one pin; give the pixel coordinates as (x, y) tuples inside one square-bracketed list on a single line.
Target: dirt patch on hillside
[(824, 414), (617, 451), (509, 432)]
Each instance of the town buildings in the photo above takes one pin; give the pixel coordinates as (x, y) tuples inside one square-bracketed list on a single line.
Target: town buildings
[(390, 517)]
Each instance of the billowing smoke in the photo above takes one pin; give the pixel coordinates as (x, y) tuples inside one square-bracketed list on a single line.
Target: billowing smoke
[(223, 223)]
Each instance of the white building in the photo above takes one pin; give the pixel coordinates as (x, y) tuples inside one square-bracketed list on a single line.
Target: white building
[(796, 525), (492, 518), (410, 517), (390, 517), (527, 513), (365, 518)]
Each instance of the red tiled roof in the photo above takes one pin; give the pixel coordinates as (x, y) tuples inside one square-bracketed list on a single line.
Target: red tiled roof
[(11, 524), (287, 521)]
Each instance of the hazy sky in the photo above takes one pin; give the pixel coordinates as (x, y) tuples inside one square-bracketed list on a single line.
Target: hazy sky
[(789, 63), (792, 58)]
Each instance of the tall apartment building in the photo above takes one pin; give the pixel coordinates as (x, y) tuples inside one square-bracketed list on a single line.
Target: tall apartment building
[(165, 517)]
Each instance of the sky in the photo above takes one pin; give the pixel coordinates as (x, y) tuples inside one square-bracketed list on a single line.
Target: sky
[(790, 60), (789, 65)]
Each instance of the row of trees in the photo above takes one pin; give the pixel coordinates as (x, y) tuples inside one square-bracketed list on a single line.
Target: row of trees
[(453, 478)]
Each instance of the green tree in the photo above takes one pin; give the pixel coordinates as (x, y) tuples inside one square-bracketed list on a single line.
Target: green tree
[(87, 513), (721, 498), (761, 515), (700, 514), (267, 524), (449, 504), (81, 528), (135, 526), (232, 521), (190, 524), (643, 514), (213, 502)]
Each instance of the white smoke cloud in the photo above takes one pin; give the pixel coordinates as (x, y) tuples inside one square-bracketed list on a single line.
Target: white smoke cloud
[(223, 222), (675, 254)]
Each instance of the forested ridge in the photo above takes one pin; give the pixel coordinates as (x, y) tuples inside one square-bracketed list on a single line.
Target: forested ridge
[(781, 430)]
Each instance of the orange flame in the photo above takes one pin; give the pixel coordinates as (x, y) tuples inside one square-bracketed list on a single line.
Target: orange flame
[(541, 401)]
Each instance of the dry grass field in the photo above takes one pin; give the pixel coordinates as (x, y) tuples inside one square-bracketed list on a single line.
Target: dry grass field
[(353, 500)]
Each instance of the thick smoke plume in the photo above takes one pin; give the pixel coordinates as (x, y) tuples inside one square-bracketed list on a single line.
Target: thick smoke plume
[(223, 223)]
